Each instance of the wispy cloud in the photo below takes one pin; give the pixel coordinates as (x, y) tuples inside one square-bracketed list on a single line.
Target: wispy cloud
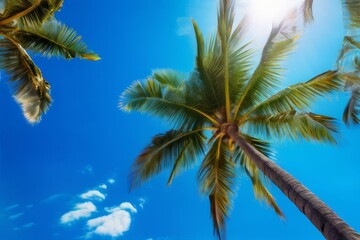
[(184, 26), (88, 169), (15, 216), (81, 210), (94, 195), (28, 225), (103, 186), (11, 207)]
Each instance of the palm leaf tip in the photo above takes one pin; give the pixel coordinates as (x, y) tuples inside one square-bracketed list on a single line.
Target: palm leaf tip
[(90, 56)]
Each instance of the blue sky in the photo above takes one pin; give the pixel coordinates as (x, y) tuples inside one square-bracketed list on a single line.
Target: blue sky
[(66, 178)]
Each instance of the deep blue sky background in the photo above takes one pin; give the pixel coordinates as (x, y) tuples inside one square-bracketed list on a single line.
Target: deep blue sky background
[(84, 140)]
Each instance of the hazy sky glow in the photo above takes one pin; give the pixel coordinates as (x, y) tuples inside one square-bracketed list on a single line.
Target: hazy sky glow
[(66, 178)]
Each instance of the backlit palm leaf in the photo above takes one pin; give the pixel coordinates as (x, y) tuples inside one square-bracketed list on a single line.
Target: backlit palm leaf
[(54, 39), (175, 149), (307, 11), (267, 74), (31, 90)]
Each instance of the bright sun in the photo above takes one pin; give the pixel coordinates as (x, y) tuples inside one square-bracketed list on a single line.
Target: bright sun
[(271, 10)]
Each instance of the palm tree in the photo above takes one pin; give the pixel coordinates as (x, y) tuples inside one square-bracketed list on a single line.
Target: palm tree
[(224, 112), (348, 62), (30, 25)]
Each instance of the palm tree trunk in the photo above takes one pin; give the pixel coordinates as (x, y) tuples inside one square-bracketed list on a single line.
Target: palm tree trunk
[(323, 218)]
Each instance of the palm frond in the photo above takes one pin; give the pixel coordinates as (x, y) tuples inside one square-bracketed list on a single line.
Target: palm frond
[(307, 9), (266, 76), (258, 180), (217, 178), (299, 95), (169, 78), (153, 98), (41, 10), (294, 125), (175, 149), (351, 16), (31, 89), (54, 39), (352, 110)]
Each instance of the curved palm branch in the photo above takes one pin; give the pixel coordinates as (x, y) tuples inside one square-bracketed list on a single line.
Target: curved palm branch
[(295, 126), (30, 11), (298, 96), (154, 98), (31, 89), (54, 39), (175, 149)]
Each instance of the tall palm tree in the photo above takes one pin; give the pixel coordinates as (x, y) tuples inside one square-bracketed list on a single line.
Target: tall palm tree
[(225, 111), (30, 25), (348, 62)]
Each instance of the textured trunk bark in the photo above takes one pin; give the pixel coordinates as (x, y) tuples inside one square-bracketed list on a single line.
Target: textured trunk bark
[(322, 217)]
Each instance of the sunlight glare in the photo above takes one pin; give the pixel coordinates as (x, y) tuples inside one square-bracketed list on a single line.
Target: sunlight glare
[(271, 10)]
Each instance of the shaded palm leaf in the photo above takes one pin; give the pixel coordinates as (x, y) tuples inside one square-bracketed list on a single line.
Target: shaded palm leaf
[(352, 109), (174, 149), (54, 39), (31, 11), (217, 178), (294, 125), (31, 90)]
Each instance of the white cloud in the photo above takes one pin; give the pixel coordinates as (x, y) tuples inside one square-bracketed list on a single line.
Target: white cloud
[(111, 181), (124, 206), (93, 194), (114, 224), (81, 210), (15, 216), (184, 26), (103, 186)]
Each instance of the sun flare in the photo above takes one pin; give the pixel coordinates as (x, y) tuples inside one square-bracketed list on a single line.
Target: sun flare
[(271, 10)]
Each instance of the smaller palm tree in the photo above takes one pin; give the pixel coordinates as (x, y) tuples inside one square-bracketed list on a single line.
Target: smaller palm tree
[(30, 25), (225, 112), (348, 62)]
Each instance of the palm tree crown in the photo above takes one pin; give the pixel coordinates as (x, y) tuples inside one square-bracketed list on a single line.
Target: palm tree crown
[(224, 111), (30, 25)]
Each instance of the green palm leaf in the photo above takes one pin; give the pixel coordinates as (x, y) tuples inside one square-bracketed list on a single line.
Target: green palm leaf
[(217, 178), (175, 149), (54, 39), (299, 95), (156, 99), (294, 125), (31, 89)]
